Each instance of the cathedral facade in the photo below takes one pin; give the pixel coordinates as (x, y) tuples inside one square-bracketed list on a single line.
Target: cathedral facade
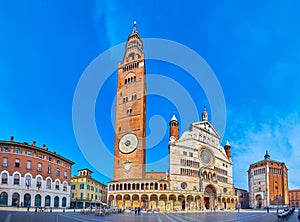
[(200, 169)]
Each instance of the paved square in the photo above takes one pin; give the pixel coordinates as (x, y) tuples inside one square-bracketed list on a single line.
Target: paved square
[(249, 216)]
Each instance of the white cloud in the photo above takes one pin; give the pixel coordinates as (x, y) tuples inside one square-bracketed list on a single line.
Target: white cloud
[(280, 136)]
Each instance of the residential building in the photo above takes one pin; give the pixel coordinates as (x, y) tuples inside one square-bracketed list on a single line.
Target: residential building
[(243, 198), (87, 191), (32, 174), (294, 198)]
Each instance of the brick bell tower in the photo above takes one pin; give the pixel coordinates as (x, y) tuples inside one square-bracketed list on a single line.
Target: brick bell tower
[(130, 132), (174, 128)]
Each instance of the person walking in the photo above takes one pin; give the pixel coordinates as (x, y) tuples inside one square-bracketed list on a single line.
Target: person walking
[(28, 205), (139, 210)]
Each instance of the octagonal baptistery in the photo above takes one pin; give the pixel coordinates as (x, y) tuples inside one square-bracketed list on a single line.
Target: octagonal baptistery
[(33, 176)]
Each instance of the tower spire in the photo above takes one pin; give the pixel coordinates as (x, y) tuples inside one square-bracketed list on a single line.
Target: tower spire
[(204, 115), (134, 27), (227, 149), (267, 156)]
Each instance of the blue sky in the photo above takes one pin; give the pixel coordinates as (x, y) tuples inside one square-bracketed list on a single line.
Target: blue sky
[(253, 48)]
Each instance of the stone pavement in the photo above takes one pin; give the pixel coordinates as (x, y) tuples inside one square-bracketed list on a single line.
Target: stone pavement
[(13, 215)]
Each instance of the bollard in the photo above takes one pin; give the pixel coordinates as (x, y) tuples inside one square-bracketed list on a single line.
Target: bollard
[(35, 209), (74, 209), (50, 209), (63, 209)]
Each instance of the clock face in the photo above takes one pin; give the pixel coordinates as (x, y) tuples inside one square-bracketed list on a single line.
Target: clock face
[(128, 143), (206, 157)]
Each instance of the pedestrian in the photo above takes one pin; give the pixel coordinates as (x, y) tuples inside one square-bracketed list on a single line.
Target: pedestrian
[(28, 205), (139, 210), (135, 211), (238, 208), (267, 209)]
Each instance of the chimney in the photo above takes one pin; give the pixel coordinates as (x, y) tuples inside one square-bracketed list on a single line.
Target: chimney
[(44, 146), (33, 143), (11, 138)]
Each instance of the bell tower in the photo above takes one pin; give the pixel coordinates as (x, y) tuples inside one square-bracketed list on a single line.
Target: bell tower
[(130, 129), (174, 128)]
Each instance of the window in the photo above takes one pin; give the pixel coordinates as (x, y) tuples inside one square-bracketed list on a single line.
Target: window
[(4, 178), (39, 167), (39, 183), (48, 183), (96, 197), (28, 165), (16, 179), (28, 181), (5, 149), (29, 153), (133, 97), (58, 162), (49, 169), (50, 158), (191, 154), (129, 111), (4, 163), (81, 196), (73, 186), (92, 196), (65, 174), (40, 156), (92, 188), (184, 153), (125, 99), (56, 185), (183, 185), (17, 151), (81, 186), (73, 195), (57, 172), (96, 189), (88, 187), (17, 163)]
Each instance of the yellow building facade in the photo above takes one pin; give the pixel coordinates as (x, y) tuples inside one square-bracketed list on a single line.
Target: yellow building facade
[(86, 191)]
